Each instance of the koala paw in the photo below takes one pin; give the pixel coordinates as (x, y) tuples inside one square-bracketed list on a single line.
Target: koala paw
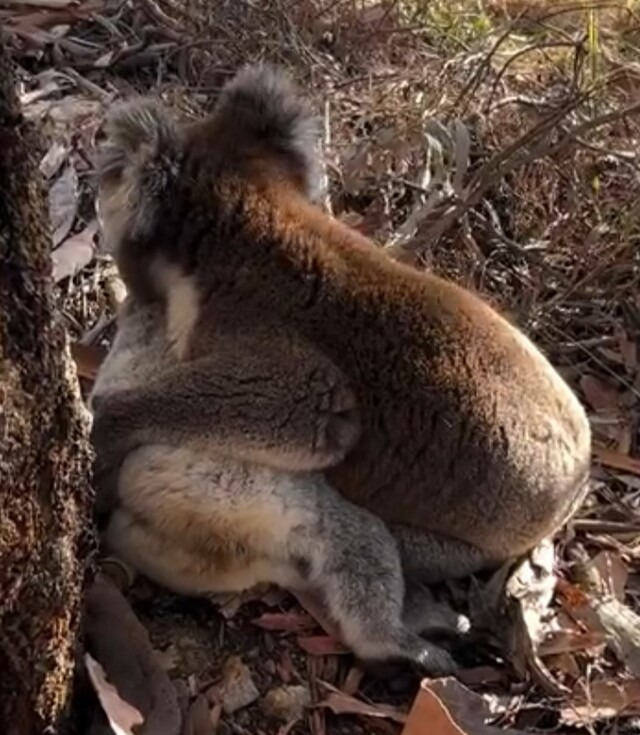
[(338, 423), (435, 661)]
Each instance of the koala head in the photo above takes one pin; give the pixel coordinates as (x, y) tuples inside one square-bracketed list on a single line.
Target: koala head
[(138, 167), (152, 168)]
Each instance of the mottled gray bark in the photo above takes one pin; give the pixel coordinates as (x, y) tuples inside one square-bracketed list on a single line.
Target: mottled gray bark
[(45, 497)]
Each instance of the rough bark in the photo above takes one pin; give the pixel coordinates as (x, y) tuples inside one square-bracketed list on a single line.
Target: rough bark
[(45, 496)]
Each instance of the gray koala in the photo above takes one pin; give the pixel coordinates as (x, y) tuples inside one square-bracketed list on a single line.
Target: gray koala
[(197, 521), (301, 346)]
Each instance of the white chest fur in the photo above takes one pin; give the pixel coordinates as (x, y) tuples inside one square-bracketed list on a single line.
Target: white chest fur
[(182, 305)]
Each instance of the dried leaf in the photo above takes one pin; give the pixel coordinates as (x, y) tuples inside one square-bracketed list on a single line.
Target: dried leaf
[(237, 689), (88, 359), (438, 174), (198, 718), (102, 62), (463, 151), (613, 572), (286, 729), (603, 611), (316, 607), (75, 253), (352, 681), (114, 288), (343, 704), (292, 621), (533, 583), (352, 219), (354, 169), (215, 715), (467, 706), (228, 604), (274, 597), (374, 14), (53, 159), (600, 396), (602, 700), (285, 668), (321, 645), (28, 98), (570, 641), (616, 460), (566, 665), (39, 3), (571, 596), (446, 707), (67, 114), (628, 349), (120, 643), (63, 204), (529, 591), (286, 703), (122, 716), (60, 31), (439, 133), (429, 716)]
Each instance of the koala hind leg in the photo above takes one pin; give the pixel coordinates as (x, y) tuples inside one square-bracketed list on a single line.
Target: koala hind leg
[(139, 545), (424, 615), (432, 558), (360, 577)]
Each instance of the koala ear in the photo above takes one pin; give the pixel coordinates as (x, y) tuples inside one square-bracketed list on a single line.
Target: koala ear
[(260, 111), (137, 164), (136, 130)]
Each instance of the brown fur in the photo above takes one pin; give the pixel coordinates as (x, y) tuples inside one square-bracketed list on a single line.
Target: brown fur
[(462, 430), (200, 522)]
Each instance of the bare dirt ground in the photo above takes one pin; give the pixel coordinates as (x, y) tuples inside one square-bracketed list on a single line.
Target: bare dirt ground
[(493, 142)]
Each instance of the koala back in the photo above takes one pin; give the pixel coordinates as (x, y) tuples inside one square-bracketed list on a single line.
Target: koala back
[(466, 427)]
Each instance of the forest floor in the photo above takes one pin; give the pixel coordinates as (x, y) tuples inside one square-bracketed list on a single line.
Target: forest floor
[(494, 142)]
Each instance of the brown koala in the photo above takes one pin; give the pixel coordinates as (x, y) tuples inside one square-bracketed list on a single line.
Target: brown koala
[(197, 521), (421, 403)]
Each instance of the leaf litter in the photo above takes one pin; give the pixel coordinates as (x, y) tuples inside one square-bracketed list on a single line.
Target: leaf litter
[(63, 204), (74, 253), (548, 233), (122, 716)]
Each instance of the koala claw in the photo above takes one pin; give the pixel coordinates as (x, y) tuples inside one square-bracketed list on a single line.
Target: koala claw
[(435, 661), (463, 625)]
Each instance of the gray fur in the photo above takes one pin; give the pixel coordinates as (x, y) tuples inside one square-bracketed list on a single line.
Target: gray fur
[(140, 161), (259, 110), (176, 509), (261, 107), (132, 124), (304, 348)]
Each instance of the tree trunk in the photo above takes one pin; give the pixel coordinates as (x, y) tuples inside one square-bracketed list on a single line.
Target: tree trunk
[(45, 496)]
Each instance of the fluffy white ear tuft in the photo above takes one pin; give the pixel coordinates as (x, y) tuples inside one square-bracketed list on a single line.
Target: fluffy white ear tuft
[(137, 165), (135, 129), (261, 109)]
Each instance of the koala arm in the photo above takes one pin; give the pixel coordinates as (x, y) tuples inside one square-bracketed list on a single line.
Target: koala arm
[(287, 407)]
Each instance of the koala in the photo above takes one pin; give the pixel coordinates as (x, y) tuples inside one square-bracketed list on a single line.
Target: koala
[(419, 402), (199, 522)]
